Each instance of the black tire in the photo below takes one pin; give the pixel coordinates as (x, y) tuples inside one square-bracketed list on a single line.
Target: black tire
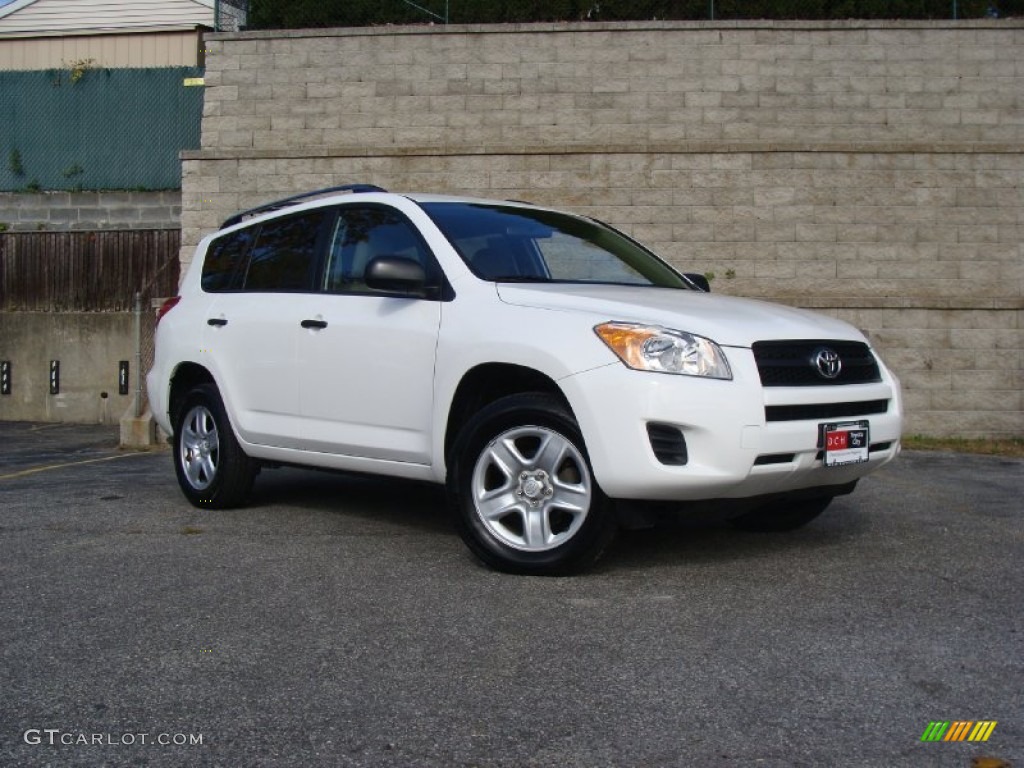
[(781, 516), (523, 492), (213, 470)]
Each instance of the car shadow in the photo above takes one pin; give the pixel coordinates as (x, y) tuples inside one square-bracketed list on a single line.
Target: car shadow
[(423, 507), (674, 540), (384, 500)]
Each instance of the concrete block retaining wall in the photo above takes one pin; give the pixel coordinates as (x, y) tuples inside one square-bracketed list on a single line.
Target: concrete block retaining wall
[(50, 211), (870, 170)]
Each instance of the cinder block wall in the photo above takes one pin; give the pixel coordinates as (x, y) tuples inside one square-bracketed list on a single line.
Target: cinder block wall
[(870, 170), (59, 211)]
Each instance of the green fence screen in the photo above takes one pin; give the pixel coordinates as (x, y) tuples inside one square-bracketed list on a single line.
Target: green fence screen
[(84, 128)]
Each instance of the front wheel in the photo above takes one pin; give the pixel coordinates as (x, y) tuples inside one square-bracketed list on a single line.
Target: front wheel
[(213, 470), (781, 516), (524, 493)]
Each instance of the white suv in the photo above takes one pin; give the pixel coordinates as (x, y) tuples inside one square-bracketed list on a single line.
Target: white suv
[(550, 370)]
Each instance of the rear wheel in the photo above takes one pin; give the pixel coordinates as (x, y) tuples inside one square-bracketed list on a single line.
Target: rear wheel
[(780, 516), (525, 497), (213, 470)]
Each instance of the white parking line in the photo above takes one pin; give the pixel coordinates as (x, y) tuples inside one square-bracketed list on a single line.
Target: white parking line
[(49, 467)]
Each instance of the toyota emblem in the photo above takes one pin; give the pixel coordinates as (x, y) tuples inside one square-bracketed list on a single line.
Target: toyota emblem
[(827, 362)]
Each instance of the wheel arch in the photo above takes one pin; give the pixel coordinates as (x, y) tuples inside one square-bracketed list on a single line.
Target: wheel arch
[(482, 385), (186, 377)]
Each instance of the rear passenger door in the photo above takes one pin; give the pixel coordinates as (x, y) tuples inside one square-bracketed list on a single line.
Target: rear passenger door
[(367, 358), (253, 328)]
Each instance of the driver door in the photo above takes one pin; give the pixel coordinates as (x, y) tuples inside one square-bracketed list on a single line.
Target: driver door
[(367, 358)]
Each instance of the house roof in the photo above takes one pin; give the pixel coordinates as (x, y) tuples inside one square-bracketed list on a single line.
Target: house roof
[(70, 17)]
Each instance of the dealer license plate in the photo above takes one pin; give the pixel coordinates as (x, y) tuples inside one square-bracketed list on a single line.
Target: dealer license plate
[(845, 443)]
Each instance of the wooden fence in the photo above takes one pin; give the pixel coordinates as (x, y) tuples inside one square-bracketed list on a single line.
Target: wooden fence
[(86, 271)]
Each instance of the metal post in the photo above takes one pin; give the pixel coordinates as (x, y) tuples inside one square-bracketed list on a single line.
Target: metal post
[(137, 320), (711, 10)]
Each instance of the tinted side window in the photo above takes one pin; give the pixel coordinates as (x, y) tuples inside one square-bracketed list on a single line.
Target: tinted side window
[(284, 256), (223, 258), (363, 233)]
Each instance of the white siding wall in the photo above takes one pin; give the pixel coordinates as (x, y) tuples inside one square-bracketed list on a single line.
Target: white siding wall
[(68, 16), (140, 49)]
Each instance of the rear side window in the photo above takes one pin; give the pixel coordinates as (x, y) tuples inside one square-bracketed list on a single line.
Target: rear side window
[(284, 257), (223, 257)]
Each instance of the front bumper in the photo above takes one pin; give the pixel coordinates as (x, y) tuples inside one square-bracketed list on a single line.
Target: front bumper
[(733, 450)]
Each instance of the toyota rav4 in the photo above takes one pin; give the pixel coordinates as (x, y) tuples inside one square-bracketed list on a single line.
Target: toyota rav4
[(556, 375)]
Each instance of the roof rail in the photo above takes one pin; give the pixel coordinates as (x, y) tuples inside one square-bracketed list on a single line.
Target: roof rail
[(294, 199)]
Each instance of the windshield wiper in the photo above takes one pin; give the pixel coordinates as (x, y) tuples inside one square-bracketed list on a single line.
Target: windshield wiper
[(519, 279)]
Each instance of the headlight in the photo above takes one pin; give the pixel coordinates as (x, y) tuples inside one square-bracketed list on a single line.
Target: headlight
[(653, 348)]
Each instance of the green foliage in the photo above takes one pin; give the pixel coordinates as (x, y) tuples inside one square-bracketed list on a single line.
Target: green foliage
[(34, 186), (273, 14), (851, 9), (72, 171), (4, 226), (14, 163), (79, 68)]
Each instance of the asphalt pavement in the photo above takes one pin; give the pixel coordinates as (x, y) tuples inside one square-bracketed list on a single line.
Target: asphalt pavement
[(339, 621)]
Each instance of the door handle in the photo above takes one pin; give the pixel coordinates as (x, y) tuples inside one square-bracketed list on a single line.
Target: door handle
[(217, 321), (314, 324)]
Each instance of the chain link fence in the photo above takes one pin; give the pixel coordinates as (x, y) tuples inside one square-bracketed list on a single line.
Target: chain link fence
[(144, 328), (230, 15), (273, 14)]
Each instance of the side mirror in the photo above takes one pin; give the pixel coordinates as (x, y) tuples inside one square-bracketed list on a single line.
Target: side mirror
[(699, 280), (395, 274)]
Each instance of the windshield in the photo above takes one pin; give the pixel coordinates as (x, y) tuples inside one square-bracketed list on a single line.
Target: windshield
[(511, 244)]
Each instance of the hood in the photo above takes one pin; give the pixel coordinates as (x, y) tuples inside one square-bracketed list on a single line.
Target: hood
[(727, 320)]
